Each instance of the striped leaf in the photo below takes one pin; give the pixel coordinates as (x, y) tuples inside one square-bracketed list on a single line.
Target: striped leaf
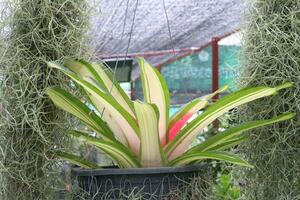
[(104, 80), (115, 150), (156, 92), (230, 143), (179, 119), (74, 106), (213, 155), (115, 111), (195, 105), (106, 115), (181, 142), (151, 154), (223, 137), (192, 107), (77, 160), (225, 145)]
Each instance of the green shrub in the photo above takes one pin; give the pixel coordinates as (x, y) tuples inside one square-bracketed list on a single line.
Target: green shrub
[(225, 189)]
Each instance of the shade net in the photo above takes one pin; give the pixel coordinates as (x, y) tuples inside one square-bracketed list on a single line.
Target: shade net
[(137, 26)]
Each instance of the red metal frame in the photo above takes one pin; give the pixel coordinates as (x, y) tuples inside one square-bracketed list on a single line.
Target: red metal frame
[(215, 64), (185, 51), (148, 54), (160, 65)]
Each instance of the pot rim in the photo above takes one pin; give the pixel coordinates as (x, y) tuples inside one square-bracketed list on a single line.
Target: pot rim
[(131, 171)]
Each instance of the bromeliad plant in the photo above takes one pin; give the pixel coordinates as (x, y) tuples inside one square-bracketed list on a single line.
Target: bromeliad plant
[(141, 134)]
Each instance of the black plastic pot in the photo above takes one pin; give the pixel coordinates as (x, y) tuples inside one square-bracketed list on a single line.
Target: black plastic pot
[(151, 183)]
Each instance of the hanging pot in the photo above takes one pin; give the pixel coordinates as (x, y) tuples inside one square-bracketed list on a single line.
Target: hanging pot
[(150, 183)]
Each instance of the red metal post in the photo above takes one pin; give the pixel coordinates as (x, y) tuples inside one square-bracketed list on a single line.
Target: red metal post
[(215, 64), (215, 71)]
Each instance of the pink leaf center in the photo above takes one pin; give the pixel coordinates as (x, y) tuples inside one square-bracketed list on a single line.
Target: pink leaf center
[(174, 130)]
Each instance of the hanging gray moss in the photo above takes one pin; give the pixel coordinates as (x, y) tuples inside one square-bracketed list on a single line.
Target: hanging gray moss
[(271, 56), (34, 31)]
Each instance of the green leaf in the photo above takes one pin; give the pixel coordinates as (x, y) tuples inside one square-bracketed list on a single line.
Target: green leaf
[(115, 150), (151, 154), (114, 110), (181, 142), (74, 106), (230, 133), (77, 160), (104, 78), (156, 92), (215, 155)]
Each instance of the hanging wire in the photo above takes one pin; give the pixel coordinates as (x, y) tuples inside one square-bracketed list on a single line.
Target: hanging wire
[(132, 26), (128, 45), (172, 41), (129, 39), (122, 35), (169, 29)]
